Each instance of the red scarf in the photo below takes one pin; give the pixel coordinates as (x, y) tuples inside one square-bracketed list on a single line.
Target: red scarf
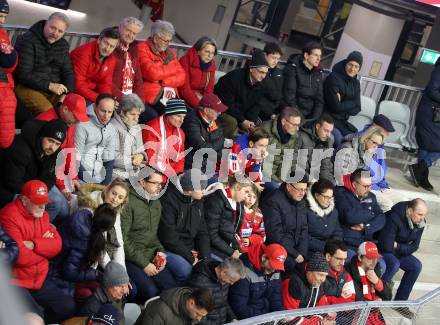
[(127, 71), (368, 290)]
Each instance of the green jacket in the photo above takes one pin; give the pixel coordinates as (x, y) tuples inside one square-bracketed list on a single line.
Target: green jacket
[(169, 309), (278, 174), (139, 223)]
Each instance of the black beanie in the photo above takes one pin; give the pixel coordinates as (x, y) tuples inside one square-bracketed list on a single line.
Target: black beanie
[(191, 180), (258, 59), (55, 129), (4, 7), (317, 263), (355, 56)]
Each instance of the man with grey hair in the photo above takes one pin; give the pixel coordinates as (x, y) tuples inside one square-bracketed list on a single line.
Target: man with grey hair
[(130, 156), (127, 77), (44, 72), (161, 69), (218, 276)]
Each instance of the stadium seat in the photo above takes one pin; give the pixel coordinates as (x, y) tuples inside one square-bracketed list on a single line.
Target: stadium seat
[(131, 313), (365, 116), (218, 75), (399, 114)]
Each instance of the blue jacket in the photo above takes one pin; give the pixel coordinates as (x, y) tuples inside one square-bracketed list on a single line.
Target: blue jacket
[(427, 131), (257, 293), (398, 228), (323, 224), (353, 211), (10, 252), (68, 267), (286, 224)]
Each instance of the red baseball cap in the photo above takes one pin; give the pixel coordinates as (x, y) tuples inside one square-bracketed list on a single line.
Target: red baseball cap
[(212, 101), (77, 105), (369, 249), (36, 191), (277, 255)]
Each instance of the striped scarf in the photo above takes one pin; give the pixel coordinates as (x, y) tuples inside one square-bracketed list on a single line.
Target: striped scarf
[(367, 288)]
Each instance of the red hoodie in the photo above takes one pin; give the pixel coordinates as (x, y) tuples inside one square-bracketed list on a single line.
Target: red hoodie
[(31, 267)]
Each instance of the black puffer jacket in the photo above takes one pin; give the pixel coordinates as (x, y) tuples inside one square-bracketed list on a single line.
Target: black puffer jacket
[(24, 160), (198, 137), (236, 91), (270, 103), (303, 88), (223, 223), (182, 227), (9, 254), (204, 276), (40, 62), (349, 89)]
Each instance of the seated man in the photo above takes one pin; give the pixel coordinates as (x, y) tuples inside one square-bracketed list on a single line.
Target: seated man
[(342, 94), (178, 306), (368, 285), (359, 214), (26, 221), (305, 288), (218, 276), (339, 286), (164, 140), (44, 70), (259, 292), (303, 82), (114, 287), (269, 104), (182, 228), (161, 70), (319, 137), (127, 76), (94, 64), (33, 155), (241, 90), (399, 240), (95, 142), (71, 111), (203, 132), (145, 260), (285, 219), (283, 135), (108, 314)]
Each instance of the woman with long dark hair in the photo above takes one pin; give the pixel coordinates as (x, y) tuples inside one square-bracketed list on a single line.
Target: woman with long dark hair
[(84, 244)]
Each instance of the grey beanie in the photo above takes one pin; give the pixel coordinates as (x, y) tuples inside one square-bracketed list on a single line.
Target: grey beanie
[(114, 275), (317, 263), (191, 180)]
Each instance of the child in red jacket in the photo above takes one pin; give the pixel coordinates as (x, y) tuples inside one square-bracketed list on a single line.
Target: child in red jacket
[(252, 229)]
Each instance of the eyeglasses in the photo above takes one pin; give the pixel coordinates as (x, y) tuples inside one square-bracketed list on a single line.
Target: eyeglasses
[(296, 126), (326, 197), (160, 184), (367, 187), (164, 40), (300, 190)]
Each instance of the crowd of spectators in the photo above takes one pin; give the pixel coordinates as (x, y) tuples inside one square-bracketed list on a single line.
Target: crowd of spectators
[(139, 177)]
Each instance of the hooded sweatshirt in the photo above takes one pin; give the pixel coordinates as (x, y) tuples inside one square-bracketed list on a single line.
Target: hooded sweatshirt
[(95, 148)]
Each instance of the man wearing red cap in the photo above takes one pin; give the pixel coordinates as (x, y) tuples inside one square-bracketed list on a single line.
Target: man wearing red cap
[(27, 222), (368, 285), (71, 111), (259, 291), (203, 132)]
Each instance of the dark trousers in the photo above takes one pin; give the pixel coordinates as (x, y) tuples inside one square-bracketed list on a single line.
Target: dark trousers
[(50, 302), (148, 287), (412, 267), (428, 156)]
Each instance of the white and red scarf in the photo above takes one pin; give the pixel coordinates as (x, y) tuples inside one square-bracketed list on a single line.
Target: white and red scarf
[(127, 72), (368, 290)]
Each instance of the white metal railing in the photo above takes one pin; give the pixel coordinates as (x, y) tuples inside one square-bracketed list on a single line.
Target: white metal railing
[(226, 61), (423, 310)]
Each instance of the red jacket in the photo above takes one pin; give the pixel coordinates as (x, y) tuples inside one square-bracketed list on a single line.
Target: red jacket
[(8, 101), (165, 152), (198, 82), (69, 143), (119, 56), (159, 70), (92, 76), (251, 228), (31, 267)]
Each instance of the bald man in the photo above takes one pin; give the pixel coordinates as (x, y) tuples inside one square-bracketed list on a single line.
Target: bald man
[(400, 239)]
